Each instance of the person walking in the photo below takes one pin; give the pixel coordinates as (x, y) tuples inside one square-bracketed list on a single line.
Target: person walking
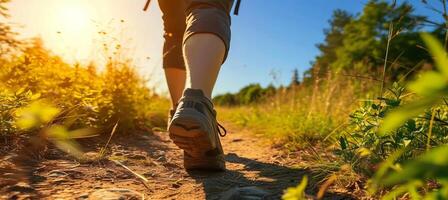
[(197, 41)]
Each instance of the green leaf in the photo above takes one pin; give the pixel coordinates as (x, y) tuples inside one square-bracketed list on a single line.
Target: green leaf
[(376, 181), (399, 191), (430, 165), (26, 121), (364, 152), (34, 115), (439, 53), (343, 143), (392, 102), (57, 132), (429, 84), (411, 125), (296, 193), (399, 116), (83, 133)]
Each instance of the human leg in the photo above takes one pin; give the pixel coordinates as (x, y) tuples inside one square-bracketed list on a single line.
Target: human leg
[(206, 41), (173, 15)]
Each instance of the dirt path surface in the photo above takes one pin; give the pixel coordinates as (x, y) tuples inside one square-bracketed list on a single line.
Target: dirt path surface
[(255, 171)]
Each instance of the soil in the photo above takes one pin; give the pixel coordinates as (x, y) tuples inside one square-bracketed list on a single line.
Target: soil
[(149, 166)]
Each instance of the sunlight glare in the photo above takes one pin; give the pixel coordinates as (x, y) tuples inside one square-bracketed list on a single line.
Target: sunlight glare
[(73, 17), (73, 23)]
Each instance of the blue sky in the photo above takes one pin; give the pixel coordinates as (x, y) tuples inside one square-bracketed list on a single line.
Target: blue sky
[(280, 36), (268, 36), (276, 37)]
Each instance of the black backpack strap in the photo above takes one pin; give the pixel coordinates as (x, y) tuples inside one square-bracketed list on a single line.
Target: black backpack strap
[(146, 5), (237, 7)]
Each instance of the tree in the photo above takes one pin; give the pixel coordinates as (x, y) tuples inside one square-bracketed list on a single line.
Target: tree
[(357, 43), (8, 41), (333, 39), (295, 80), (226, 99), (365, 38), (250, 93)]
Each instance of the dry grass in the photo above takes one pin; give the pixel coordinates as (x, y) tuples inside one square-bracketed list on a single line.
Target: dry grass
[(303, 114)]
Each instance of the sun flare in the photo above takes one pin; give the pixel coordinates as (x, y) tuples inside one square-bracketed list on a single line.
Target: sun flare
[(72, 22), (73, 17)]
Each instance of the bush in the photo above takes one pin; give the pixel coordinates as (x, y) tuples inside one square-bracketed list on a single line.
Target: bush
[(85, 96), (249, 94), (362, 146)]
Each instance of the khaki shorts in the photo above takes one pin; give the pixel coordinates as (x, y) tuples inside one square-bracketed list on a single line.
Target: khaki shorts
[(184, 18)]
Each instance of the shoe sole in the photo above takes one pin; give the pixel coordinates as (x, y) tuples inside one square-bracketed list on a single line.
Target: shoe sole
[(189, 133)]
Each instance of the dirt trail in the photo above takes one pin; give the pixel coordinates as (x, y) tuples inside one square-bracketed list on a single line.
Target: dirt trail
[(255, 169)]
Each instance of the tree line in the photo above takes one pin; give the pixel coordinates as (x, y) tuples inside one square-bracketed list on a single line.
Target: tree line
[(356, 45)]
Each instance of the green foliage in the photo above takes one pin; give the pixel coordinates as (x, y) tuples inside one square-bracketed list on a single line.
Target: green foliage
[(302, 115), (389, 136), (365, 38), (400, 138), (293, 128), (422, 178), (251, 93), (298, 192), (432, 87), (362, 145), (359, 42), (295, 79), (333, 40), (433, 164), (9, 103), (34, 115), (81, 96)]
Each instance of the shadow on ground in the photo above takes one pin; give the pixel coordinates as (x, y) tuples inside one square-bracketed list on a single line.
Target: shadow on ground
[(154, 156), (263, 180)]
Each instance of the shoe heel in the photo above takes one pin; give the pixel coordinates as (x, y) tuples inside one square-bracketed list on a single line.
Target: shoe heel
[(188, 134)]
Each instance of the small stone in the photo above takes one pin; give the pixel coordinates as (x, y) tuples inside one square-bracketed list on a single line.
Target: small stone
[(83, 196), (176, 185), (237, 140), (161, 159), (159, 153), (21, 187), (57, 173), (59, 181), (118, 154)]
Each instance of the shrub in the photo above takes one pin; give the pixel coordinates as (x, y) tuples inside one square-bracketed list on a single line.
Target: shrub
[(85, 96), (361, 144)]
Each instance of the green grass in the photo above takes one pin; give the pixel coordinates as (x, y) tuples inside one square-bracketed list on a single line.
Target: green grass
[(302, 115)]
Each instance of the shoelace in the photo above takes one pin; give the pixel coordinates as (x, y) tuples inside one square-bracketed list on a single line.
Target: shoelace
[(220, 127)]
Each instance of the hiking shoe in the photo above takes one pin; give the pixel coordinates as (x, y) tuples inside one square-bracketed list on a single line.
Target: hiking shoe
[(194, 129)]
